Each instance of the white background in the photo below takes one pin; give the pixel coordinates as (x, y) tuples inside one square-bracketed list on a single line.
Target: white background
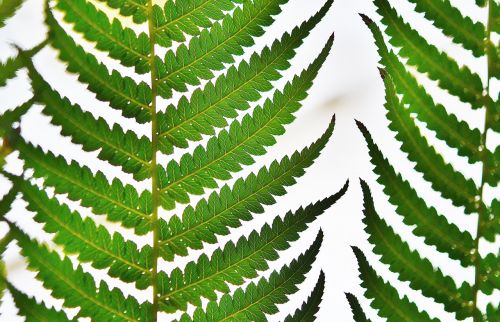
[(348, 86)]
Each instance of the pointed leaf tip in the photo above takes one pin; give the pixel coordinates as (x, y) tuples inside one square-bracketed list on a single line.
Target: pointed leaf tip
[(366, 19), (361, 127)]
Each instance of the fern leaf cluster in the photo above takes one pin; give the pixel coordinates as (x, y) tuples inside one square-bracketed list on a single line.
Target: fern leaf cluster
[(199, 39), (407, 101)]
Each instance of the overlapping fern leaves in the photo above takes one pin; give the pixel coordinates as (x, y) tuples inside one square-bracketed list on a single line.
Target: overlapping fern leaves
[(217, 32), (406, 102)]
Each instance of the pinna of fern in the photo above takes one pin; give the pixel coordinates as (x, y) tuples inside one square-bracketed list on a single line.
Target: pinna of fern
[(407, 102), (217, 32)]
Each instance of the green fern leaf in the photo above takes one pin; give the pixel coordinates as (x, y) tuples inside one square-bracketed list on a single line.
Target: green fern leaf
[(120, 43), (450, 183), (10, 117), (92, 243), (428, 223), (309, 309), (227, 209), (410, 266), (225, 153), (357, 311), (238, 261), (450, 20), (119, 148), (259, 299), (447, 127), (9, 69)]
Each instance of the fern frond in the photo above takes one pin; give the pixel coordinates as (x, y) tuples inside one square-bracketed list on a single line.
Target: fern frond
[(430, 225), (237, 261), (426, 58), (208, 35), (211, 107), (259, 299), (76, 287), (34, 311), (120, 43), (225, 153), (410, 266), (119, 202), (309, 308), (92, 243), (213, 48), (384, 297), (180, 18), (116, 146), (123, 93)]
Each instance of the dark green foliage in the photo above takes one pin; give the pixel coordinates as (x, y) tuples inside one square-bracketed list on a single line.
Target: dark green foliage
[(199, 38), (407, 102)]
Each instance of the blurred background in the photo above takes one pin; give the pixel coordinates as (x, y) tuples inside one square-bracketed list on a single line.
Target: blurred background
[(348, 86)]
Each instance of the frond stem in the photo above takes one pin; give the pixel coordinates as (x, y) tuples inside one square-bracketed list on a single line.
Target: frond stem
[(154, 172), (483, 210)]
